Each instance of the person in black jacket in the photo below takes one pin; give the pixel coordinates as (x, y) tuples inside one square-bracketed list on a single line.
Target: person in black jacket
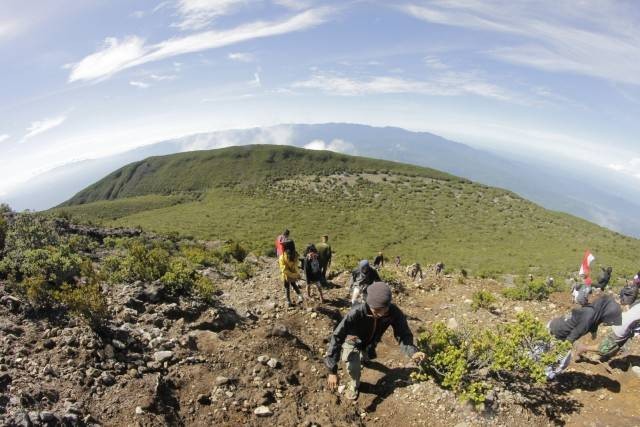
[(361, 277), (313, 270), (357, 335), (604, 310), (604, 278)]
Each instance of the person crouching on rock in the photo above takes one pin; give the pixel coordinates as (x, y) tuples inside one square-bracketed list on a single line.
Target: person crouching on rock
[(355, 338), (290, 274)]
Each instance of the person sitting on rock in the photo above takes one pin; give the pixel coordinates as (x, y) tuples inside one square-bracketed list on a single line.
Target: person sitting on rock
[(355, 338), (619, 335), (361, 277), (313, 271), (290, 274)]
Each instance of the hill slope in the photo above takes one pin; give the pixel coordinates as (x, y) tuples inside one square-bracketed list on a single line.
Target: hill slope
[(250, 193)]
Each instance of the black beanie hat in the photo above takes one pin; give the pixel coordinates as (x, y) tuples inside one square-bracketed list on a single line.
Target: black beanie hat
[(378, 295)]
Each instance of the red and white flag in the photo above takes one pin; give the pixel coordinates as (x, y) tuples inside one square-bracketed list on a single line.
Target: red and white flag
[(585, 267)]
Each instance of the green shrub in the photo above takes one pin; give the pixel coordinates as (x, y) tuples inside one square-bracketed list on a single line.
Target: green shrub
[(3, 234), (528, 291), (30, 231), (482, 299), (244, 271), (54, 264), (180, 276), (470, 361), (345, 262), (37, 290), (85, 301), (204, 288), (232, 250), (200, 256)]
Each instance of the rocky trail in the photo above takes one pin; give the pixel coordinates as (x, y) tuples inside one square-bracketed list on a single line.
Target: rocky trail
[(248, 360)]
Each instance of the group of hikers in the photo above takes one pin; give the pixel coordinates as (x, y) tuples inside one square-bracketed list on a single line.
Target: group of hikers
[(355, 338)]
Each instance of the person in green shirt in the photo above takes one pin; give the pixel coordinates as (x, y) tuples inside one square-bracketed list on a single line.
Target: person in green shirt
[(324, 255)]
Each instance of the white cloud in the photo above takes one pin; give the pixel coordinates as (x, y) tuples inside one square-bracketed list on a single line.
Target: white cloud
[(241, 57), (132, 51), (256, 80), (8, 29), (162, 77), (138, 14), (434, 63), (293, 4), (141, 85), (630, 167), (598, 39), (3, 137), (445, 84), (197, 14), (41, 126), (336, 145)]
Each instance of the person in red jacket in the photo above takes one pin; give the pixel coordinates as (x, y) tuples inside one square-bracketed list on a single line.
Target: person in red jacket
[(280, 242)]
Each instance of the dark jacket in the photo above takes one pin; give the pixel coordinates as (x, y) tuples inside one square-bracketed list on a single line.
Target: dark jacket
[(604, 279), (358, 277), (586, 319), (360, 322), (309, 274)]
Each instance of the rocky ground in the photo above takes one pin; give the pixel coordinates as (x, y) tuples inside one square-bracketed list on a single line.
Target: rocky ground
[(249, 360)]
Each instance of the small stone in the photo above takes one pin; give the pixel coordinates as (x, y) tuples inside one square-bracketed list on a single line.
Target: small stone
[(518, 309), (222, 381), (162, 356), (107, 379), (139, 410), (636, 370), (263, 359), (46, 416), (273, 363), (48, 343), (263, 411), (452, 323), (204, 399), (118, 344), (341, 388)]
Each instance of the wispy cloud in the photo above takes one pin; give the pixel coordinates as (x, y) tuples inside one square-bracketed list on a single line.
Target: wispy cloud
[(197, 14), (597, 39), (8, 29), (630, 167), (162, 77), (241, 57), (336, 145), (139, 84), (41, 126), (256, 79), (3, 137), (294, 4), (446, 84), (132, 51)]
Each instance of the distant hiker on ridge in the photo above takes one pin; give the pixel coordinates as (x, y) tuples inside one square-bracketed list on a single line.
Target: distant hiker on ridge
[(324, 254), (312, 271), (280, 242), (378, 262), (290, 274), (361, 277), (355, 338)]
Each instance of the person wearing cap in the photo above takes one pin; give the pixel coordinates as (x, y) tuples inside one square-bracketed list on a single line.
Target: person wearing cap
[(361, 277), (355, 338), (619, 335)]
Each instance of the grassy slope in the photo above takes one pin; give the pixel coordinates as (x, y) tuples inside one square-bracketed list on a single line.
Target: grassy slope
[(250, 194)]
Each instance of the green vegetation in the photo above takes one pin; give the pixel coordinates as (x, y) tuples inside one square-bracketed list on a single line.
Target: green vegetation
[(482, 299), (251, 193), (471, 361), (529, 290)]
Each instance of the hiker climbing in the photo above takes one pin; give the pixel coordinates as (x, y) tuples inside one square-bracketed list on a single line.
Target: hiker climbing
[(280, 242), (619, 334), (361, 278), (290, 274), (397, 262), (439, 268), (324, 254), (313, 271), (604, 278), (413, 270), (378, 261), (355, 338)]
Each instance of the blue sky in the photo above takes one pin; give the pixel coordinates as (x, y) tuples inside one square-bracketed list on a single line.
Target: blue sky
[(546, 79)]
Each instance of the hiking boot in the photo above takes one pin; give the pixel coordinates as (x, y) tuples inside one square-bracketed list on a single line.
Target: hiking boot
[(351, 392)]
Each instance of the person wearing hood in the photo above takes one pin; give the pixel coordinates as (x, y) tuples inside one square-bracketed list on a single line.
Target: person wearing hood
[(355, 338), (585, 319), (620, 334), (361, 277), (604, 278)]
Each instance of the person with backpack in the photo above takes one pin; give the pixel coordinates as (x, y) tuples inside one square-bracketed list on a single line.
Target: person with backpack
[(378, 261), (413, 270), (439, 268), (313, 271), (324, 254), (361, 277), (280, 242), (290, 274), (620, 334), (355, 338), (603, 280)]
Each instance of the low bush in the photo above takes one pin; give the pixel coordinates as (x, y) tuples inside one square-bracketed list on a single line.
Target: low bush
[(232, 250), (139, 263), (244, 271), (346, 262), (470, 361), (482, 299), (86, 301), (179, 277), (204, 288), (200, 256), (529, 291)]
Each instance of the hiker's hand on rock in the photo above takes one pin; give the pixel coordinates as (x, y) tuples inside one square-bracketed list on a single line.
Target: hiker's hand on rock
[(418, 357), (332, 381)]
